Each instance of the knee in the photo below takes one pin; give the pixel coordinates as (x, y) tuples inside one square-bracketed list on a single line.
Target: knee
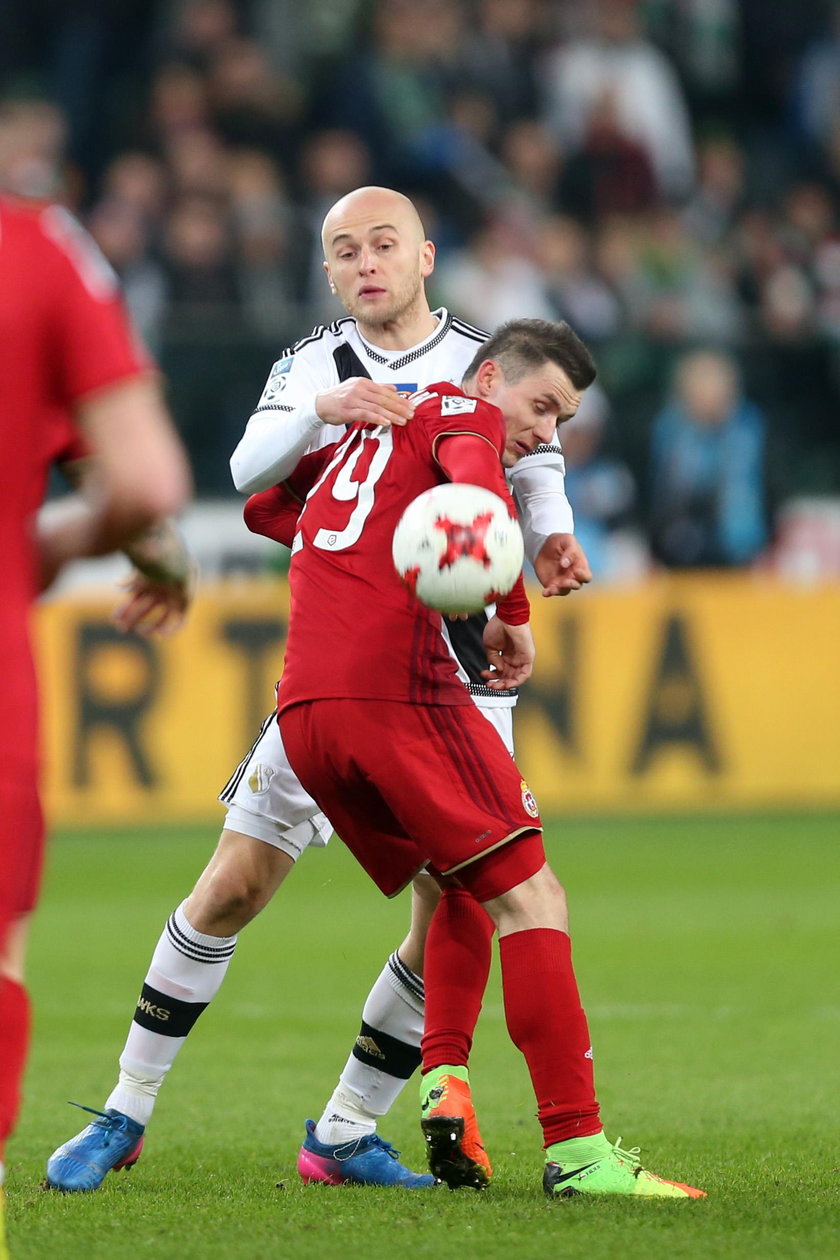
[(234, 893), (547, 898), (226, 898), (537, 902), (550, 887)]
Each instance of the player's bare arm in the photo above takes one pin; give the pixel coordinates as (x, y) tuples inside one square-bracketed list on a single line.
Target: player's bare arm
[(360, 399), (157, 594), (140, 474), (510, 654), (561, 565), (141, 467)]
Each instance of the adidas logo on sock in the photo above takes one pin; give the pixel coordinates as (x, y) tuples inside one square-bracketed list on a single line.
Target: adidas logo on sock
[(369, 1046)]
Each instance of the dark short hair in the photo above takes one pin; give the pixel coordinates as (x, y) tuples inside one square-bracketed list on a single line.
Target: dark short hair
[(523, 345)]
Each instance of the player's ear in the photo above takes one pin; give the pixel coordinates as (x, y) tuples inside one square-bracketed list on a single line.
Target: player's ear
[(486, 378), (330, 280), (427, 259)]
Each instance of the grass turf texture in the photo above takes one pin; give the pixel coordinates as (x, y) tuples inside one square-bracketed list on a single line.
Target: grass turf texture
[(706, 953)]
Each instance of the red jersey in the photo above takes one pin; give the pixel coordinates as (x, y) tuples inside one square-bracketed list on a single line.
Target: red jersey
[(63, 334), (355, 630)]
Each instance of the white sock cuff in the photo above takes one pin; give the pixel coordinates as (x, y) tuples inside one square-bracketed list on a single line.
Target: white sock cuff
[(405, 983), (197, 945)]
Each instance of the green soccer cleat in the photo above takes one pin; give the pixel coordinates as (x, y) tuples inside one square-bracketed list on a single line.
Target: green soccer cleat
[(594, 1166)]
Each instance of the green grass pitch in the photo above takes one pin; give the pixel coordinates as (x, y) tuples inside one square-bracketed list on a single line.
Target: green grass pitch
[(706, 951)]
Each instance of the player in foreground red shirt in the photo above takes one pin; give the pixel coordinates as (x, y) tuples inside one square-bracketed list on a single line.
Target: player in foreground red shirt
[(380, 730), (65, 346)]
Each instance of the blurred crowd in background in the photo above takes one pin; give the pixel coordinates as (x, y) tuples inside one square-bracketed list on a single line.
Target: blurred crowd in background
[(665, 174)]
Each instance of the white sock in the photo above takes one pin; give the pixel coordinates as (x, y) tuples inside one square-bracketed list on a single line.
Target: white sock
[(185, 974), (386, 1053)]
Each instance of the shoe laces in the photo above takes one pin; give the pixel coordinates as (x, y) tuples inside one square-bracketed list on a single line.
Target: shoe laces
[(373, 1139), (105, 1121), (630, 1156)]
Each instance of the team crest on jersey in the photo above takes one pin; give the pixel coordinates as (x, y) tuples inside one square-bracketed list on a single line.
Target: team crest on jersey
[(529, 803), (452, 405), (260, 778), (276, 382), (405, 391)]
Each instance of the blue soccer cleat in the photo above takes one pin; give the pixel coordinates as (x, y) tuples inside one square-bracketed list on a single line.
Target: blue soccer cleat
[(112, 1141), (367, 1161)]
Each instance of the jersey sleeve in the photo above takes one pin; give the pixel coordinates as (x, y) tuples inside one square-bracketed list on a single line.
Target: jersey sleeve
[(463, 458), (92, 344), (538, 484), (466, 458), (65, 443), (285, 423), (274, 512), (448, 413)]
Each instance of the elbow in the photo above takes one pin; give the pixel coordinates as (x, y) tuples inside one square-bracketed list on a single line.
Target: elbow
[(168, 492), (245, 481), (240, 481), (132, 508), (126, 518)]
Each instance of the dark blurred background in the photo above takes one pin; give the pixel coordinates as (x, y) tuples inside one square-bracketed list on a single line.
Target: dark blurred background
[(665, 174)]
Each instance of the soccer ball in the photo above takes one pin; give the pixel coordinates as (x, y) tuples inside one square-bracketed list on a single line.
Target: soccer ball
[(457, 548)]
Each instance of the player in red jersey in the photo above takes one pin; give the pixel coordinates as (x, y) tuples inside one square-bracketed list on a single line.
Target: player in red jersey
[(446, 793), (65, 346)]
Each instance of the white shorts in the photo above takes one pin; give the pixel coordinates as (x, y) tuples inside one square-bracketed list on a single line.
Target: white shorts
[(265, 800)]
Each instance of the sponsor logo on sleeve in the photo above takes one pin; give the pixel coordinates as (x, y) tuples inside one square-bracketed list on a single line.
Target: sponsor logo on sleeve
[(452, 405), (276, 382)]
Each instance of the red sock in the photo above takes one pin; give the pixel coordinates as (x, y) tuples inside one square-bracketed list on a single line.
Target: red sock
[(455, 973), (14, 1041), (546, 1021)]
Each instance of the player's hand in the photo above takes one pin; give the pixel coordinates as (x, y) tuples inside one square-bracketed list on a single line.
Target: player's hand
[(151, 607), (561, 565), (510, 654), (362, 400)]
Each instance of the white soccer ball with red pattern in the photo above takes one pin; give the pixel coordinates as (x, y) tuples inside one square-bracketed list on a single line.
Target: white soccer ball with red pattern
[(457, 548)]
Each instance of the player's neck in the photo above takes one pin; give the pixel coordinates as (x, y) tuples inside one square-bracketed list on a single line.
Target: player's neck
[(403, 333)]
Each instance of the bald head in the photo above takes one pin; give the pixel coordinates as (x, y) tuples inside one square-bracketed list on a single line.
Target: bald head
[(371, 206), (377, 258)]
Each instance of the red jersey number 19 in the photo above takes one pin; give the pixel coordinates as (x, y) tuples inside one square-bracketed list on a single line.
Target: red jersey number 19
[(375, 449)]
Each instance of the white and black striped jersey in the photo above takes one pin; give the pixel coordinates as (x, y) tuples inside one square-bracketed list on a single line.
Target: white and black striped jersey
[(284, 426)]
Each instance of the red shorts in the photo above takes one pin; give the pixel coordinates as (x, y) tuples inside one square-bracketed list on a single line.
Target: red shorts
[(21, 848), (406, 785)]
